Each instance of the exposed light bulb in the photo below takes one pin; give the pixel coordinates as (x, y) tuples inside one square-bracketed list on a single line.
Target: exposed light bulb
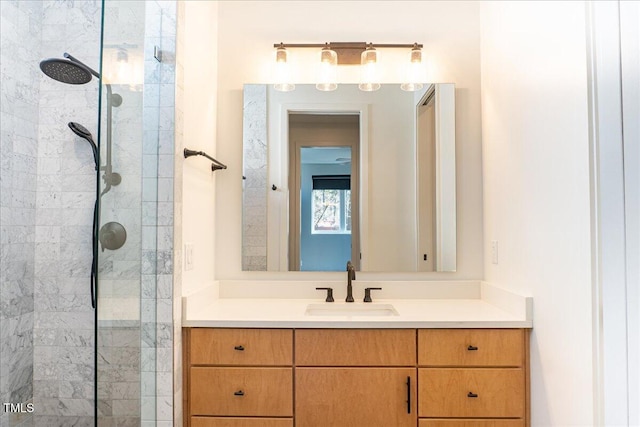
[(328, 71), (415, 71), (369, 80), (282, 71)]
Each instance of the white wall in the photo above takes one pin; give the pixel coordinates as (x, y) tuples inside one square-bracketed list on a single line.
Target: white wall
[(247, 31), (200, 109), (536, 191)]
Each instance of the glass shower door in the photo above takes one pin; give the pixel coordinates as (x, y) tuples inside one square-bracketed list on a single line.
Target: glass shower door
[(137, 89)]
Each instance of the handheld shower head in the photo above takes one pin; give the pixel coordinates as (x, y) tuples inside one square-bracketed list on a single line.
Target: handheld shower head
[(68, 70), (82, 132)]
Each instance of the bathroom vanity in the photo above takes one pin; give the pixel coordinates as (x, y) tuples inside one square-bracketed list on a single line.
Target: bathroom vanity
[(438, 362)]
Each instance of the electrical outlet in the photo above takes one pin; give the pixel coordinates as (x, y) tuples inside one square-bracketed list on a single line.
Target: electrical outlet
[(494, 251), (188, 256)]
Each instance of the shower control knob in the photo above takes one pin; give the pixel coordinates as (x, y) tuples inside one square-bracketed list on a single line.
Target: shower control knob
[(116, 178), (112, 236)]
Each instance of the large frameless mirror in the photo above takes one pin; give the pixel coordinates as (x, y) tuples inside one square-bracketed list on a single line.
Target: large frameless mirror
[(330, 177)]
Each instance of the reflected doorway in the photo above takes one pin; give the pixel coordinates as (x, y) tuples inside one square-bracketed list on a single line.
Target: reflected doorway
[(323, 203)]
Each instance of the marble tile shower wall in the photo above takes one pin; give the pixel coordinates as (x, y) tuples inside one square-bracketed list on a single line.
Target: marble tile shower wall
[(64, 325), (46, 201), (20, 31), (147, 402)]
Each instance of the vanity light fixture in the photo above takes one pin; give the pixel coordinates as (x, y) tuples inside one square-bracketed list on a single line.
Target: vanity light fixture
[(415, 71), (282, 71), (369, 80), (328, 72), (333, 54)]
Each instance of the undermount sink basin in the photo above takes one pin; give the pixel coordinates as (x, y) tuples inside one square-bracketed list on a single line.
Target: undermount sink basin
[(350, 309)]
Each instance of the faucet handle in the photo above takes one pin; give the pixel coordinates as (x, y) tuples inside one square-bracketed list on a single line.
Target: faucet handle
[(329, 293), (367, 293)]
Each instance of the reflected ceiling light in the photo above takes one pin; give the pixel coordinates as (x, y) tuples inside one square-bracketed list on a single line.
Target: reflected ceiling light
[(122, 63), (123, 66), (369, 80), (282, 71), (415, 71), (328, 72)]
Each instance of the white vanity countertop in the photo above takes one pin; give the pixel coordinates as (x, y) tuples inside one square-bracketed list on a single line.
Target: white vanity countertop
[(438, 305)]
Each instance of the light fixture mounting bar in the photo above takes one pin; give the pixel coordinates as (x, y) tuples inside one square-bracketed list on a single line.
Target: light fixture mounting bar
[(348, 52)]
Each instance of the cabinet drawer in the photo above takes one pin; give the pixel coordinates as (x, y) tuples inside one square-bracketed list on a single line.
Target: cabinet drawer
[(471, 347), (471, 423), (240, 422), (355, 347), (448, 392), (241, 391), (241, 347)]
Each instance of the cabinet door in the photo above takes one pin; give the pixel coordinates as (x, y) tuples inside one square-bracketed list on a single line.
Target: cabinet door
[(355, 397)]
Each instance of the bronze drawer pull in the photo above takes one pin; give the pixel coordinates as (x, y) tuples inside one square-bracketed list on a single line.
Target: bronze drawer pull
[(472, 348), (408, 395), (239, 348), (472, 395), (239, 393)]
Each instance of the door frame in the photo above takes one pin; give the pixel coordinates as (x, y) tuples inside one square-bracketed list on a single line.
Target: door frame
[(295, 204), (615, 330), (278, 226)]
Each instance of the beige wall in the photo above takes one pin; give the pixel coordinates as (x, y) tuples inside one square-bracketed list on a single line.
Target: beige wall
[(247, 31), (536, 191), (200, 109)]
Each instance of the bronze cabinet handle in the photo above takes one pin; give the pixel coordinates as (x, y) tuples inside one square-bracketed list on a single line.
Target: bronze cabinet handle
[(408, 395)]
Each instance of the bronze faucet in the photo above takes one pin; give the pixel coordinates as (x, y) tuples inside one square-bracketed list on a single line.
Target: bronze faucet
[(351, 275)]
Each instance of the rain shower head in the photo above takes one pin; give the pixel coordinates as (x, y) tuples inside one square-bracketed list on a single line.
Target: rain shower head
[(65, 71), (68, 70), (82, 132)]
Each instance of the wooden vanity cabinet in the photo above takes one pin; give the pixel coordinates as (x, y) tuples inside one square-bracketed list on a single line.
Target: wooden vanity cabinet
[(356, 377)]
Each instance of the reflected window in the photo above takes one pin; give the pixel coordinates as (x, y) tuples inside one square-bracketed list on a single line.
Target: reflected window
[(331, 204)]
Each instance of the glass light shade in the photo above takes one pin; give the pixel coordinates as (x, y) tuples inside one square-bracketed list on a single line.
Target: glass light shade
[(282, 72), (121, 68), (415, 71), (328, 72), (369, 70)]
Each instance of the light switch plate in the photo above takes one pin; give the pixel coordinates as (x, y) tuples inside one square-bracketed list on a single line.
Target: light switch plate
[(494, 251), (188, 256)]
